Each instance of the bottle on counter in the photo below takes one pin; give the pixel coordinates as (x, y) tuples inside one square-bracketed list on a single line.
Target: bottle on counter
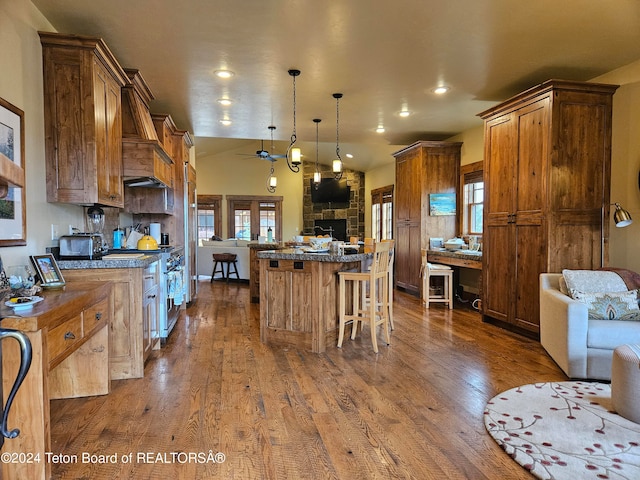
[(118, 236), (269, 235)]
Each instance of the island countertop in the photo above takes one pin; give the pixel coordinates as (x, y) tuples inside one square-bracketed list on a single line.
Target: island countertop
[(300, 254), (106, 262)]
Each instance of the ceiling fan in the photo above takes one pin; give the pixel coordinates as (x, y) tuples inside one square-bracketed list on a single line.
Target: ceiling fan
[(262, 153)]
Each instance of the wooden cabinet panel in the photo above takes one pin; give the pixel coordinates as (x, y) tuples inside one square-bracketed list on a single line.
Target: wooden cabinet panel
[(547, 176), (95, 316), (421, 169), (83, 120)]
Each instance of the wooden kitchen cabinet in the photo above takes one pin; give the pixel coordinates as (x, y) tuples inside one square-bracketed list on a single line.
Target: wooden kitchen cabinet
[(83, 120), (133, 320), (546, 180), (254, 267), (421, 169)]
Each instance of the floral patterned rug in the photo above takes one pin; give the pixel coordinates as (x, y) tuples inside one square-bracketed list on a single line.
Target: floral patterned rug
[(565, 430)]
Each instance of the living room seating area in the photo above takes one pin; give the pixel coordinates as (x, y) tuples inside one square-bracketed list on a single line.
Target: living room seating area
[(585, 315)]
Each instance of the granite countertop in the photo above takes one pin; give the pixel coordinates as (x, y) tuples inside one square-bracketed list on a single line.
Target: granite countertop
[(466, 254), (300, 254), (141, 262)]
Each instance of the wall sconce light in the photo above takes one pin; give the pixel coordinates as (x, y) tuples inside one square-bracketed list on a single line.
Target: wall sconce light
[(621, 217), (293, 153), (337, 163)]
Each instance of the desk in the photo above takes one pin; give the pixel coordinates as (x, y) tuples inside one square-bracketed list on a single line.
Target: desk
[(69, 334), (458, 259)]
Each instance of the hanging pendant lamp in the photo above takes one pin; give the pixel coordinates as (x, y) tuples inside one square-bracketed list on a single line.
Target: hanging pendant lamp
[(272, 181), (337, 163), (317, 176), (293, 153)]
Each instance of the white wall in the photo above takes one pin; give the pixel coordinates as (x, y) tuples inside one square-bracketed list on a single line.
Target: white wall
[(21, 85), (229, 174)]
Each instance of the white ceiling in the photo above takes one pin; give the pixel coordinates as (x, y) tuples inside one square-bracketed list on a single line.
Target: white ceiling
[(382, 55)]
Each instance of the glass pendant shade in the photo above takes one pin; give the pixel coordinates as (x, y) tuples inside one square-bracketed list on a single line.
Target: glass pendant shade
[(296, 156), (317, 176), (273, 182), (337, 166)]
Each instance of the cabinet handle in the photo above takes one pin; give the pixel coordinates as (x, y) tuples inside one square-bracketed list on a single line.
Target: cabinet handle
[(148, 277), (151, 296), (69, 336), (98, 316)]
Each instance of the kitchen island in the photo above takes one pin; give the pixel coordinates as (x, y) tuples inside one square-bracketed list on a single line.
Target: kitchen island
[(299, 297)]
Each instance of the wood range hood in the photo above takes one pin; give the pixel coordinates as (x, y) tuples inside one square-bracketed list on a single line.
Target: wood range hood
[(146, 163)]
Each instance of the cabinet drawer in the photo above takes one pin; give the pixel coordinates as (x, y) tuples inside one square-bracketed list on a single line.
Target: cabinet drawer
[(64, 337), (150, 277), (95, 316)]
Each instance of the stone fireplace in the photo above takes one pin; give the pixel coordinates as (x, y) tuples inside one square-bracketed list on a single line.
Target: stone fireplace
[(341, 217)]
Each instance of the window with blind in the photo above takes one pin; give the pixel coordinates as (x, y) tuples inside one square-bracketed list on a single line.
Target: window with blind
[(472, 187), (209, 216), (382, 213)]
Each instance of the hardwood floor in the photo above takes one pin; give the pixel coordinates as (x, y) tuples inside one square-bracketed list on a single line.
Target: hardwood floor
[(412, 411)]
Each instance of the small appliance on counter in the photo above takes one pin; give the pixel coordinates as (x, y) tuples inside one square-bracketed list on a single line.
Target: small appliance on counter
[(81, 246), (454, 244)]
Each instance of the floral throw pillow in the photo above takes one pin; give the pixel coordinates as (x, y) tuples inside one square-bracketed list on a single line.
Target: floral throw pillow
[(610, 305)]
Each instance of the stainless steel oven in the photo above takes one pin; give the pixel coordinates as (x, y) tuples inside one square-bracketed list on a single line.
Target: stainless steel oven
[(173, 286)]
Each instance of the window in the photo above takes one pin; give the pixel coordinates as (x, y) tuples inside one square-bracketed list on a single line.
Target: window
[(252, 216), (382, 213), (209, 216), (472, 187)]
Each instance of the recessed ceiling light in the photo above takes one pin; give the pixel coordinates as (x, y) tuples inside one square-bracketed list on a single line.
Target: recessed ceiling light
[(380, 129), (349, 155), (404, 113), (224, 101), (224, 73), (225, 122), (441, 90)]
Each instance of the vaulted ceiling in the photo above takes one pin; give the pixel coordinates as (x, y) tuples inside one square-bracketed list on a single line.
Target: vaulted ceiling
[(384, 56)]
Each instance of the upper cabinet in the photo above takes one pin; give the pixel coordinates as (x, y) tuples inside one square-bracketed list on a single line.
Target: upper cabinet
[(83, 120)]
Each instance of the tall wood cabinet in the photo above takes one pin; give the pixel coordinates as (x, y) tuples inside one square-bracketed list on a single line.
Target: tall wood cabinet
[(421, 169), (547, 175), (83, 120)]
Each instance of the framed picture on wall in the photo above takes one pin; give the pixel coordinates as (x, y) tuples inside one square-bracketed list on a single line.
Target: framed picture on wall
[(442, 204), (13, 224)]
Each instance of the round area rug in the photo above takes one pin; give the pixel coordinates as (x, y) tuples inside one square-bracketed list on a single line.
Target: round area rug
[(565, 430)]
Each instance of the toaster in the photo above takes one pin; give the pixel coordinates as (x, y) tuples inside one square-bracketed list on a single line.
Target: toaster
[(83, 246)]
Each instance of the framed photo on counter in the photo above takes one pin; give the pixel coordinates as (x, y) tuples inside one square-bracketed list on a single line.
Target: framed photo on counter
[(48, 270)]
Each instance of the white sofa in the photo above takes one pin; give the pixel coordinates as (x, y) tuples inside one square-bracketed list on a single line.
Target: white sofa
[(582, 347), (206, 249)]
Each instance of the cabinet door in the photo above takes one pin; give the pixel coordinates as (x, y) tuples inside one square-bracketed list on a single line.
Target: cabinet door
[(408, 257), (409, 187), (150, 320), (108, 134)]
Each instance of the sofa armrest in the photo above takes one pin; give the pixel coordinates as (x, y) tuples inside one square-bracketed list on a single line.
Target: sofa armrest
[(563, 327)]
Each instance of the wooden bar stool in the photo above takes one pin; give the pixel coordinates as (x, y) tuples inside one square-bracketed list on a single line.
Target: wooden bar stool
[(222, 259), (436, 270), (375, 310)]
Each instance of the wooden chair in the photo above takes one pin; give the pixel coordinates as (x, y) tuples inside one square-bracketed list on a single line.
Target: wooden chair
[(365, 297), (376, 310), (222, 259)]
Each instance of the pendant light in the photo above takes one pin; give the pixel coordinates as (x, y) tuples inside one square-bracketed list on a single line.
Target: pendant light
[(337, 163), (317, 176), (293, 153), (272, 181)]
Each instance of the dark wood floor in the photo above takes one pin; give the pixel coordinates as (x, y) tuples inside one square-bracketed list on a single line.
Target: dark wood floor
[(412, 411)]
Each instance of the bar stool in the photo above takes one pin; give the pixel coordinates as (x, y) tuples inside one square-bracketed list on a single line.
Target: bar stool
[(436, 270), (375, 310), (222, 259)]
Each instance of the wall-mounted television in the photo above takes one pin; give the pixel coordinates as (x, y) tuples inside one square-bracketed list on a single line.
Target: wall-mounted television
[(330, 190)]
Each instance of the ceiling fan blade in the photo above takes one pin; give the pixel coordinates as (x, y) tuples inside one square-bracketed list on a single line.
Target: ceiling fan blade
[(278, 156)]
